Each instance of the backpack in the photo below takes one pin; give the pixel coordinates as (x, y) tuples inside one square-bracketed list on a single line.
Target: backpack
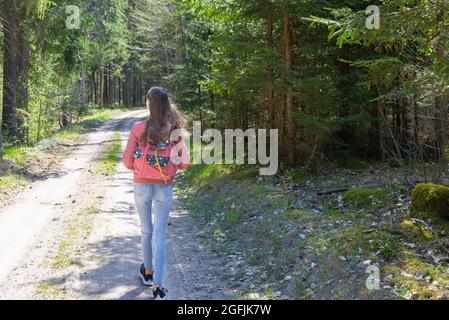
[(157, 162)]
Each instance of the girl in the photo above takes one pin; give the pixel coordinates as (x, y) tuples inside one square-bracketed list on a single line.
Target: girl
[(155, 155)]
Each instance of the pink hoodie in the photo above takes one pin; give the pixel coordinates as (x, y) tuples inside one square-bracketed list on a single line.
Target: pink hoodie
[(133, 143)]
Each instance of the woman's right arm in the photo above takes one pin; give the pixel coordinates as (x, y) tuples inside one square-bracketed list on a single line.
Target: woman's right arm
[(128, 154), (185, 157)]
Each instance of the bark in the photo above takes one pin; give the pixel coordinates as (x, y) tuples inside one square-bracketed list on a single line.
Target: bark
[(289, 138), (83, 93), (100, 90), (134, 92), (23, 94), (10, 77), (441, 102), (269, 89), (106, 88), (110, 85), (94, 88), (120, 91)]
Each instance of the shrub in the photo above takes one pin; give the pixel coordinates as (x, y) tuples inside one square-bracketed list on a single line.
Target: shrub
[(353, 164), (395, 163), (430, 200), (384, 244)]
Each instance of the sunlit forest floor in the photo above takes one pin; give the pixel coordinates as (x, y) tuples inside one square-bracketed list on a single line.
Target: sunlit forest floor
[(297, 235), (285, 241)]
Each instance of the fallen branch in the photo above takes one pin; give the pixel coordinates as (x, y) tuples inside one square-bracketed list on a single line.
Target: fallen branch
[(422, 223), (379, 228), (344, 189)]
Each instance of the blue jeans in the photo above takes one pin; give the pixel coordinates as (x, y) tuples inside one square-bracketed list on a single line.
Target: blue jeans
[(153, 239)]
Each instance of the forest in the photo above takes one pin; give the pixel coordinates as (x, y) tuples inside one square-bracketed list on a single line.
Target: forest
[(357, 89), (311, 69)]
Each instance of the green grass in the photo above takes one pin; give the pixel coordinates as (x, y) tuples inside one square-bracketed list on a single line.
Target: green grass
[(200, 174), (368, 198), (15, 155), (48, 290), (71, 132), (62, 259), (232, 217), (79, 227), (353, 164), (11, 180), (108, 163), (297, 175)]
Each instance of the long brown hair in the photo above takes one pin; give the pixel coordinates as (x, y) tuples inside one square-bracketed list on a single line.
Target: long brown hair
[(164, 117)]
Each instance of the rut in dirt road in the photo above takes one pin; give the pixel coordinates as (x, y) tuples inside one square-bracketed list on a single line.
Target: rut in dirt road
[(104, 265)]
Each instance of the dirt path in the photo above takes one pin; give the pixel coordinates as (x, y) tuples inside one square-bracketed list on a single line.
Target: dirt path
[(74, 236)]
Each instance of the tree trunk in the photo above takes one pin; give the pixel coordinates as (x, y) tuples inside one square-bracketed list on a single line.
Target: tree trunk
[(124, 81), (100, 87), (289, 138), (10, 78), (134, 92), (179, 40), (269, 89), (106, 87), (441, 101), (83, 93), (120, 91), (38, 138), (23, 94), (110, 85), (94, 88)]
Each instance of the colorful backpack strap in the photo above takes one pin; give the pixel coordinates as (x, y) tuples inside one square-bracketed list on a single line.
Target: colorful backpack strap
[(159, 166)]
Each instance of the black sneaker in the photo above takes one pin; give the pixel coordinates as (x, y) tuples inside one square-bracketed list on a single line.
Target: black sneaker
[(147, 279), (160, 293)]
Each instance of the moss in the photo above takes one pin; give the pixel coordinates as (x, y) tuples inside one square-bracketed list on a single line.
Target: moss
[(430, 200), (404, 278), (413, 232), (367, 198), (382, 243)]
